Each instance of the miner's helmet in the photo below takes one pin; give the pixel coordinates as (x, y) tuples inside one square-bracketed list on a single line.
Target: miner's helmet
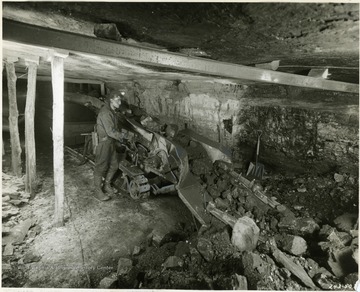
[(117, 93), (121, 92)]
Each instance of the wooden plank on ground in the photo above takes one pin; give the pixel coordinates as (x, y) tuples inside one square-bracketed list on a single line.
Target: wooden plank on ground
[(195, 198), (294, 268)]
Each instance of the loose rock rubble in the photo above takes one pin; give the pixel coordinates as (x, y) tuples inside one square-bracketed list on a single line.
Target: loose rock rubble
[(281, 233), (298, 242), (17, 231)]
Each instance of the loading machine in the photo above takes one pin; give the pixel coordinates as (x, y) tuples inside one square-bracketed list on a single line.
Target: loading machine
[(157, 164)]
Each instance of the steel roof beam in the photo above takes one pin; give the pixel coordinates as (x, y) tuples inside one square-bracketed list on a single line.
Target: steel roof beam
[(50, 38)]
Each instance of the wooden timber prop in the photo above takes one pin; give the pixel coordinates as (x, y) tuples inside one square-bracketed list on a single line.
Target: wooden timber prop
[(57, 71), (30, 178), (294, 268), (13, 118)]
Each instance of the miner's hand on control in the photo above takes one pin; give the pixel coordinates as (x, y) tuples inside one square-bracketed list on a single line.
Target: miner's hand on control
[(132, 136), (127, 136)]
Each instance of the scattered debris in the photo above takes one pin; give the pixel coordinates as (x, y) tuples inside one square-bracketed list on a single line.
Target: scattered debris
[(338, 178), (298, 226), (351, 280), (302, 189), (240, 282), (108, 282), (107, 31), (31, 234), (341, 261), (346, 222), (31, 257), (9, 250), (172, 262), (124, 266), (10, 212), (205, 248), (5, 267), (292, 244), (182, 249), (37, 229), (136, 250), (157, 236), (245, 234), (339, 239), (294, 268), (5, 230), (16, 202), (325, 282), (18, 233)]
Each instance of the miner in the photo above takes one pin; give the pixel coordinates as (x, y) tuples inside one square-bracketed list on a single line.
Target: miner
[(106, 156)]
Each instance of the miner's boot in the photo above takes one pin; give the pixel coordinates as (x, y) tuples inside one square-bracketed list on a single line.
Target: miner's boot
[(109, 189), (98, 193), (107, 185)]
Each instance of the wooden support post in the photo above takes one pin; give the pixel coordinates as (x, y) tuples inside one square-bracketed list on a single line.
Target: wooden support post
[(2, 138), (13, 118), (102, 89), (57, 73), (30, 149)]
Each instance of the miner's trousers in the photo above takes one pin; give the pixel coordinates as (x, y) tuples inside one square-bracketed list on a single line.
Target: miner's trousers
[(106, 159)]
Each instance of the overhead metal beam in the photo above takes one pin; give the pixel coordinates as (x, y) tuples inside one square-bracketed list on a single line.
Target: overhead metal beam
[(50, 38)]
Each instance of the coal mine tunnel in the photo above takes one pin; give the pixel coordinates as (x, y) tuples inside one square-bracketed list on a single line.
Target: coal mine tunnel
[(195, 146)]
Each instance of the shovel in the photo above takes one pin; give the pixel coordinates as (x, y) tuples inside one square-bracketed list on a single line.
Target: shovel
[(256, 170)]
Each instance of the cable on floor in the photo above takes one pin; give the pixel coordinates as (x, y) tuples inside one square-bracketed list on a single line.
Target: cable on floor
[(81, 245)]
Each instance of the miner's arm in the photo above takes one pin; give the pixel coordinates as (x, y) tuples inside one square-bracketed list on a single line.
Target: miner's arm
[(109, 123)]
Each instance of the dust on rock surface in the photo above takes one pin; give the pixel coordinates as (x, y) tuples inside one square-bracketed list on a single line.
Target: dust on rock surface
[(297, 31), (315, 195), (168, 250), (95, 234)]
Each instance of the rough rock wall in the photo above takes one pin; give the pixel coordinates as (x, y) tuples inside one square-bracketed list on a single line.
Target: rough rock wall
[(205, 107), (304, 125)]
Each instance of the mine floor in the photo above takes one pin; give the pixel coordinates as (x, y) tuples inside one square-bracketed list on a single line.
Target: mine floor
[(156, 243), (96, 234)]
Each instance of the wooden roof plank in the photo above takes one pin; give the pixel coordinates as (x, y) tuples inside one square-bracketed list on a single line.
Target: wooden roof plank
[(49, 38)]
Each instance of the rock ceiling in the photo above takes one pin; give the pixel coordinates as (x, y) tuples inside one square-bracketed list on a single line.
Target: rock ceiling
[(302, 36)]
